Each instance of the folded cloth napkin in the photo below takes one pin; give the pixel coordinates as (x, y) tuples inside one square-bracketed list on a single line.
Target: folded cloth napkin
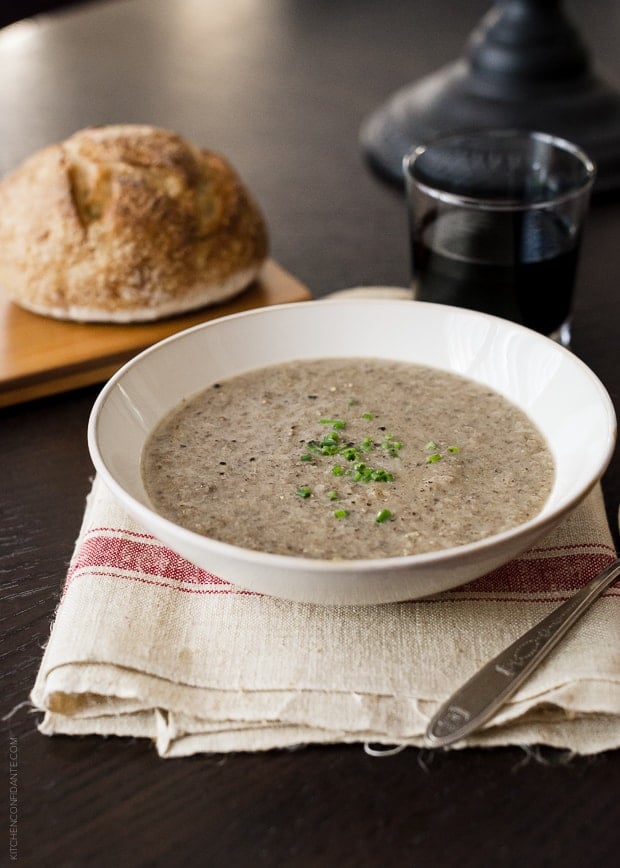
[(145, 644)]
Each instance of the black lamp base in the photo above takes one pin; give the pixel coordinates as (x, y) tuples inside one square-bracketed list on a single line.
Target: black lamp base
[(526, 68)]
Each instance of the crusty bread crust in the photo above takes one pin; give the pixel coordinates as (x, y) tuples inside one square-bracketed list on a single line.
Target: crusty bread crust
[(126, 223)]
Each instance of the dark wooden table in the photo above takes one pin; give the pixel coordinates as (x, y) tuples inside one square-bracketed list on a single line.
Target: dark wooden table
[(281, 87)]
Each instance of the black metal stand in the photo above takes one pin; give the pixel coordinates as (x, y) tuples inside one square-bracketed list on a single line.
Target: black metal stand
[(525, 67)]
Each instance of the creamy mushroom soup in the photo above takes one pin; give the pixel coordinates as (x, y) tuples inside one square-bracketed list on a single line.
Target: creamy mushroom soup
[(347, 458)]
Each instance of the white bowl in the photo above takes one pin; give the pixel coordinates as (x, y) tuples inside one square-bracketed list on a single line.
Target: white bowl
[(558, 392)]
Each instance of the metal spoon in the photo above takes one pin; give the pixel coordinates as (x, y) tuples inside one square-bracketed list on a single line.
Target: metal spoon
[(479, 698)]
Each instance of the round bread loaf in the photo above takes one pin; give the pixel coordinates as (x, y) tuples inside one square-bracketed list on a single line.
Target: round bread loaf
[(126, 223)]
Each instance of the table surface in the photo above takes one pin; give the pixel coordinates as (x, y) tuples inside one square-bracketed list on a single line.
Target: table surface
[(280, 87)]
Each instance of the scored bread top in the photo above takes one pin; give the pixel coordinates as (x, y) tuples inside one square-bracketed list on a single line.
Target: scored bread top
[(126, 223)]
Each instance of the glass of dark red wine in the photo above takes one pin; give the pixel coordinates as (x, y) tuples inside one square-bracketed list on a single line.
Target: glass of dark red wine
[(496, 219)]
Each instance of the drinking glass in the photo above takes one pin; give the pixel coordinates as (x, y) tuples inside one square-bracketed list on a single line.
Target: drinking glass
[(496, 220)]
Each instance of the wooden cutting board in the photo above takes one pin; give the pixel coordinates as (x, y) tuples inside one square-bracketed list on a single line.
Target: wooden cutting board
[(42, 356)]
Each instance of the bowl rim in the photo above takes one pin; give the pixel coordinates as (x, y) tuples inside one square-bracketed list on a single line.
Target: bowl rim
[(543, 520)]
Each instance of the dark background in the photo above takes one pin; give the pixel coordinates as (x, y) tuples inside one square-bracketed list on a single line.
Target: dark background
[(106, 802), (13, 10)]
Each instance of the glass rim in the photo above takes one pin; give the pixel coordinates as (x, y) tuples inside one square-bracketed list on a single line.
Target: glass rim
[(485, 203)]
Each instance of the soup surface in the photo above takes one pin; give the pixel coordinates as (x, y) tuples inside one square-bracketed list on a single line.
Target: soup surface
[(347, 458)]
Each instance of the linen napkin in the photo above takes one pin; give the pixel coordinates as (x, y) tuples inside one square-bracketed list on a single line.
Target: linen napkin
[(145, 644)]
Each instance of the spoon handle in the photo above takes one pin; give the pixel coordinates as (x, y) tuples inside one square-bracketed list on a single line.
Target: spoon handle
[(478, 699)]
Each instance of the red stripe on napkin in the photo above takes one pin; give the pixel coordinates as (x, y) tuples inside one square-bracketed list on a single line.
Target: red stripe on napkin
[(543, 572), (140, 557), (145, 556)]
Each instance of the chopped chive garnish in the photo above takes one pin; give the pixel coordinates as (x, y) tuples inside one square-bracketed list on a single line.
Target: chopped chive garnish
[(381, 475), (383, 515), (337, 424), (453, 448), (352, 453), (331, 438), (391, 446), (330, 444), (329, 449), (432, 459), (431, 446)]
